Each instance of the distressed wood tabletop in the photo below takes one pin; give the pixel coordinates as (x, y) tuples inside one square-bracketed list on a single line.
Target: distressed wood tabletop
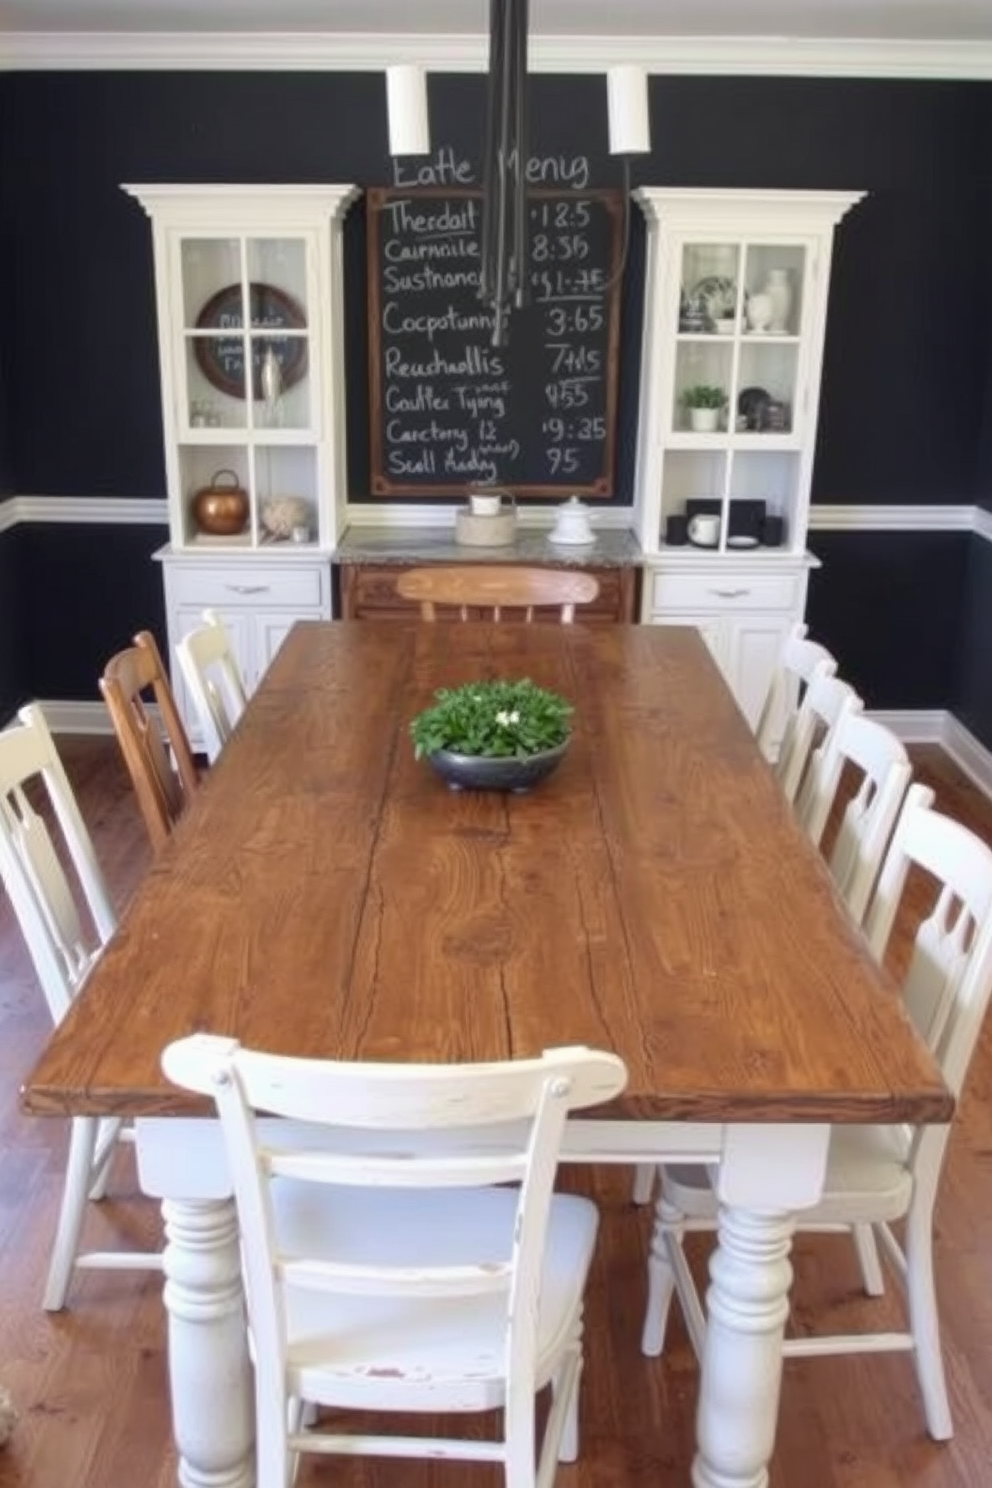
[(327, 895)]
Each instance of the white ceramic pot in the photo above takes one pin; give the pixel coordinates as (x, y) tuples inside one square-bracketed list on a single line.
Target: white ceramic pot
[(485, 503), (704, 420), (572, 523)]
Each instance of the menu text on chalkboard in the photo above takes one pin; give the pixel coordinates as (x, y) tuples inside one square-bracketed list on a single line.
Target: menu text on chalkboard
[(450, 411)]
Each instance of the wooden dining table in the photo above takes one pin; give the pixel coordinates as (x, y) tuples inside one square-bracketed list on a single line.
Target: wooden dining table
[(327, 895)]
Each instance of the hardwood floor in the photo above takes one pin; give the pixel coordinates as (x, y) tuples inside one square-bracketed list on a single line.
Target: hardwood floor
[(91, 1382)]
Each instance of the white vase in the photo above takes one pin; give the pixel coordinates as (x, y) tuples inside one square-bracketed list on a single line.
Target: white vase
[(778, 288)]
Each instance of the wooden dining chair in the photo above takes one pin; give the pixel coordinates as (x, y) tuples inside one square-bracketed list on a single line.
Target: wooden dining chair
[(878, 1175), (800, 660), (417, 1278), (213, 679), (163, 787), (868, 749), (496, 588), (48, 867)]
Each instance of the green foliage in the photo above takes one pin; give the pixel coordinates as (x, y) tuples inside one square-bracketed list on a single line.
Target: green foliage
[(704, 395), (497, 719)]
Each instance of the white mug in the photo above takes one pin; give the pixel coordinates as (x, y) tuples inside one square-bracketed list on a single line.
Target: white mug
[(704, 530), (483, 504)]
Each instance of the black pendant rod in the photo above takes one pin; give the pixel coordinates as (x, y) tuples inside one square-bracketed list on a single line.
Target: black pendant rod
[(503, 278), (487, 275), (521, 235)]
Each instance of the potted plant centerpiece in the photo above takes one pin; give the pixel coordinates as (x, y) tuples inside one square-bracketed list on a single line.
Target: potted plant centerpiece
[(493, 735), (705, 401)]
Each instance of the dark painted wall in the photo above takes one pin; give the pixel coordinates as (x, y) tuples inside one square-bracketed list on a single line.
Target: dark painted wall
[(971, 696), (100, 593), (907, 369), (887, 604)]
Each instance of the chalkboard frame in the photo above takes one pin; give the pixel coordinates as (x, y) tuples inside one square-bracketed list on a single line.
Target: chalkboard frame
[(281, 313), (603, 487)]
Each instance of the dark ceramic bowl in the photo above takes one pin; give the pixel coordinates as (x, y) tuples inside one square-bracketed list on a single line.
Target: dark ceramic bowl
[(477, 772)]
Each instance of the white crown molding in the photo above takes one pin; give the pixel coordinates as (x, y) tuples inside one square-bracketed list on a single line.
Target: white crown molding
[(892, 518), (113, 510), (354, 52)]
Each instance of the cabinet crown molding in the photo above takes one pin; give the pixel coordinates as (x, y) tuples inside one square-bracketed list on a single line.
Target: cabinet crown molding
[(739, 212)]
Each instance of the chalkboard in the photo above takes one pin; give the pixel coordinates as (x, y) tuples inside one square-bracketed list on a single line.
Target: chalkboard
[(448, 409)]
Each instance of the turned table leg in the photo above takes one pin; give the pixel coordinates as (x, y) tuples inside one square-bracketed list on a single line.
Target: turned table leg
[(767, 1174), (209, 1368)]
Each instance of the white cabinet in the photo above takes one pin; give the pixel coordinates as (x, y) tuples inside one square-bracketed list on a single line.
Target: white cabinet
[(249, 292), (259, 604), (744, 611), (734, 323)]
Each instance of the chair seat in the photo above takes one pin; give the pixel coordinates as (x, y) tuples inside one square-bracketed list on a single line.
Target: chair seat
[(341, 1348), (867, 1178)]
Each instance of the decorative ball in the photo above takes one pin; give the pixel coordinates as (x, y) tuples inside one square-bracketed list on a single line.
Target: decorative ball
[(8, 1415), (280, 514)]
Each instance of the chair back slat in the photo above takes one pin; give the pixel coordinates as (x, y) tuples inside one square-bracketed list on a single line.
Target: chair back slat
[(496, 589), (824, 702), (948, 983), (869, 817), (162, 791), (47, 887), (798, 661), (213, 678)]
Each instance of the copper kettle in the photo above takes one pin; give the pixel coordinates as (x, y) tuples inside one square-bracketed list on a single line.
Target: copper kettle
[(221, 508)]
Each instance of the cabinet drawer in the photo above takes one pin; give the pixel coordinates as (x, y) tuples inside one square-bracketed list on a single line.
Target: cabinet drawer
[(729, 591), (296, 586)]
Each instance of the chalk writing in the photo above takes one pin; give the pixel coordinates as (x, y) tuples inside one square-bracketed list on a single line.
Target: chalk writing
[(448, 409)]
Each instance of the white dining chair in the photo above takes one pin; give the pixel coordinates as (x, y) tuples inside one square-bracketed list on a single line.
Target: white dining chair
[(825, 700), (213, 679), (46, 878), (877, 1175), (858, 744), (414, 1277), (800, 659)]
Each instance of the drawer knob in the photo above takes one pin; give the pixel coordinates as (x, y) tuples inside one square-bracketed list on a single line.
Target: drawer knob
[(730, 593), (247, 588)]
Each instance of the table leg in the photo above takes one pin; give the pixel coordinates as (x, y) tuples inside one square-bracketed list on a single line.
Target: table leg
[(210, 1372), (747, 1307)]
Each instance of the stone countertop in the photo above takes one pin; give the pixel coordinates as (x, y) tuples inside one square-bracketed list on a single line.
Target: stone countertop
[(612, 547)]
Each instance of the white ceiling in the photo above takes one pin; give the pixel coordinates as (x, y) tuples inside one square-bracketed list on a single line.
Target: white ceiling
[(879, 20)]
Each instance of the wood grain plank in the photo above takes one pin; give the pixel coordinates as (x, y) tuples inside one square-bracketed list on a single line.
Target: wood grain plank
[(326, 895)]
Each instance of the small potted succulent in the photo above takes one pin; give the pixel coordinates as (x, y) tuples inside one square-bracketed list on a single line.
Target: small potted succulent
[(705, 402), (493, 735)]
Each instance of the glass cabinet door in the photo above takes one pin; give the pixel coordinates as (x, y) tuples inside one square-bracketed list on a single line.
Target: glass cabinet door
[(734, 421), (222, 343), (246, 409)]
